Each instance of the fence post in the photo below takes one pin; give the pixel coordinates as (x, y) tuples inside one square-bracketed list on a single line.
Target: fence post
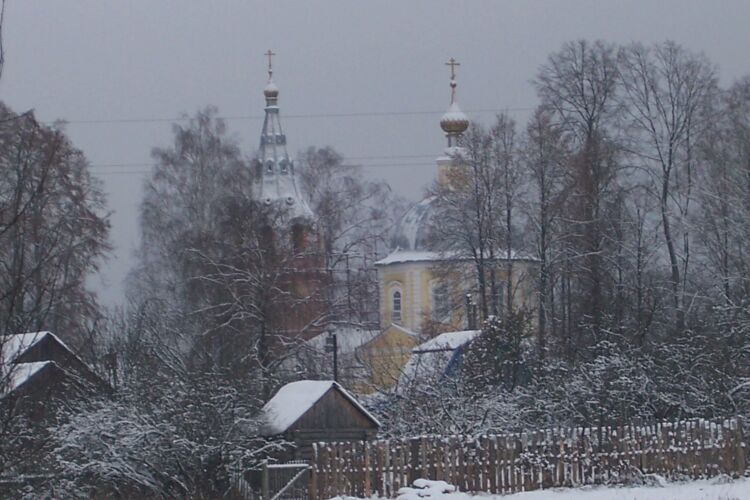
[(264, 483), (741, 448), (312, 487), (367, 485), (414, 465)]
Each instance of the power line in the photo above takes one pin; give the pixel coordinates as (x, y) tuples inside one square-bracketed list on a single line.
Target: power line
[(348, 158), (396, 161), (372, 165), (362, 114)]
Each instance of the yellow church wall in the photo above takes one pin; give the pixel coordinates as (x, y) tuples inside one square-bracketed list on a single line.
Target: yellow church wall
[(385, 356)]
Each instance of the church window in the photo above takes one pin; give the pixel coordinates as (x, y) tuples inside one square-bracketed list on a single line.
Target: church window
[(440, 302), (396, 306), (299, 238)]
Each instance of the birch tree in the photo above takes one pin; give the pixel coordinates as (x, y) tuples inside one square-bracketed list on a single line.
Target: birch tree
[(667, 92)]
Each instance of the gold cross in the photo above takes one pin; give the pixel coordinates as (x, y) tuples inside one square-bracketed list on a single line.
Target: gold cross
[(453, 63), (270, 62)]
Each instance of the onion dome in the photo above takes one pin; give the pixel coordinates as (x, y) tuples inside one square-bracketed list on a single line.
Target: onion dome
[(271, 91), (454, 121)]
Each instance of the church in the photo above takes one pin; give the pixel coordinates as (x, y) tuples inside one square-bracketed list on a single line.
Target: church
[(418, 299), (425, 292)]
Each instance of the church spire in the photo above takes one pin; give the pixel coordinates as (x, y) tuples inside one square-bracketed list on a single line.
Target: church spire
[(275, 181), (454, 122)]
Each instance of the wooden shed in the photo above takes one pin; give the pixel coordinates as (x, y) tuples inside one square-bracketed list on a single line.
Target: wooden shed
[(311, 411), (36, 368)]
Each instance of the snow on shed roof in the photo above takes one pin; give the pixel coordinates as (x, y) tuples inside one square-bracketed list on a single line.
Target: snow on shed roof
[(13, 346), (294, 399), (20, 373)]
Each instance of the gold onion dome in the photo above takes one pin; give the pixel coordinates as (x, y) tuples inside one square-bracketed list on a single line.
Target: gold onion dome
[(454, 121)]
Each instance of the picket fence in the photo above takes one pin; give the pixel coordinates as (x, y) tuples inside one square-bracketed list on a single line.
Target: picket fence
[(531, 460)]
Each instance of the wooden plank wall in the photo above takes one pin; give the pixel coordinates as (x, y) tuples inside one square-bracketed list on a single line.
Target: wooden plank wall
[(530, 460)]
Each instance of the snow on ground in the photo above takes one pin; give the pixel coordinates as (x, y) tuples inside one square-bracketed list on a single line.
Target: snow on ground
[(721, 488)]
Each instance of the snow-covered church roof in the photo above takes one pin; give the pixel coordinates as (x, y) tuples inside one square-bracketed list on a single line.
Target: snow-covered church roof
[(295, 399), (276, 183), (412, 229)]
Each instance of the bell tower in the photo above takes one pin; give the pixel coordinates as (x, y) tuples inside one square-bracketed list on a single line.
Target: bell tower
[(290, 232), (276, 184), (454, 123)]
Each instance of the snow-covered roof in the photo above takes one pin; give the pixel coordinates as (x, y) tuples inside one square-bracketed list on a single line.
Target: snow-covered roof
[(411, 230), (431, 360), (448, 340), (13, 346), (404, 329), (295, 399), (348, 338), (399, 256), (19, 373)]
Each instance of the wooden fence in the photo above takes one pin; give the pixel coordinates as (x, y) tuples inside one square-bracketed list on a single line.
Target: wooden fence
[(529, 461)]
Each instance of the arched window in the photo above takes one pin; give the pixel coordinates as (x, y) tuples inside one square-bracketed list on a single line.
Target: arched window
[(299, 238), (441, 309), (396, 306)]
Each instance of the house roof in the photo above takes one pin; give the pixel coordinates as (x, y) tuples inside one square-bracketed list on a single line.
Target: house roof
[(295, 399), (433, 359), (447, 341)]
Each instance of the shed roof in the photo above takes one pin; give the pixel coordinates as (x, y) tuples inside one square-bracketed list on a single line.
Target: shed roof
[(14, 346), (295, 399), (20, 373)]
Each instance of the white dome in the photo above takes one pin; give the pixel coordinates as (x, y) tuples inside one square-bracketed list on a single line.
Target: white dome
[(271, 90), (412, 230)]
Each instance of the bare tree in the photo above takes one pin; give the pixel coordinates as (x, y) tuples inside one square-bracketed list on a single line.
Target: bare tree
[(668, 93), (545, 155), (511, 182), (468, 213), (578, 84), (353, 217), (2, 47)]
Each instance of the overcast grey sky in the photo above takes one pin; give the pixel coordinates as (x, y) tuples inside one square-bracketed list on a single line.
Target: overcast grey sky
[(148, 61)]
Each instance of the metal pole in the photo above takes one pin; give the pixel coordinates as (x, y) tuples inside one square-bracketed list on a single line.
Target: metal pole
[(335, 359)]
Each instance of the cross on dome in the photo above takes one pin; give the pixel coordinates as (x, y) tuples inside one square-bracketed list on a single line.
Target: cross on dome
[(453, 63), (454, 122), (271, 91), (270, 55)]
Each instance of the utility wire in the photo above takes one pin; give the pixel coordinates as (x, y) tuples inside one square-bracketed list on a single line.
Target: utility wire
[(363, 114), (373, 165)]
